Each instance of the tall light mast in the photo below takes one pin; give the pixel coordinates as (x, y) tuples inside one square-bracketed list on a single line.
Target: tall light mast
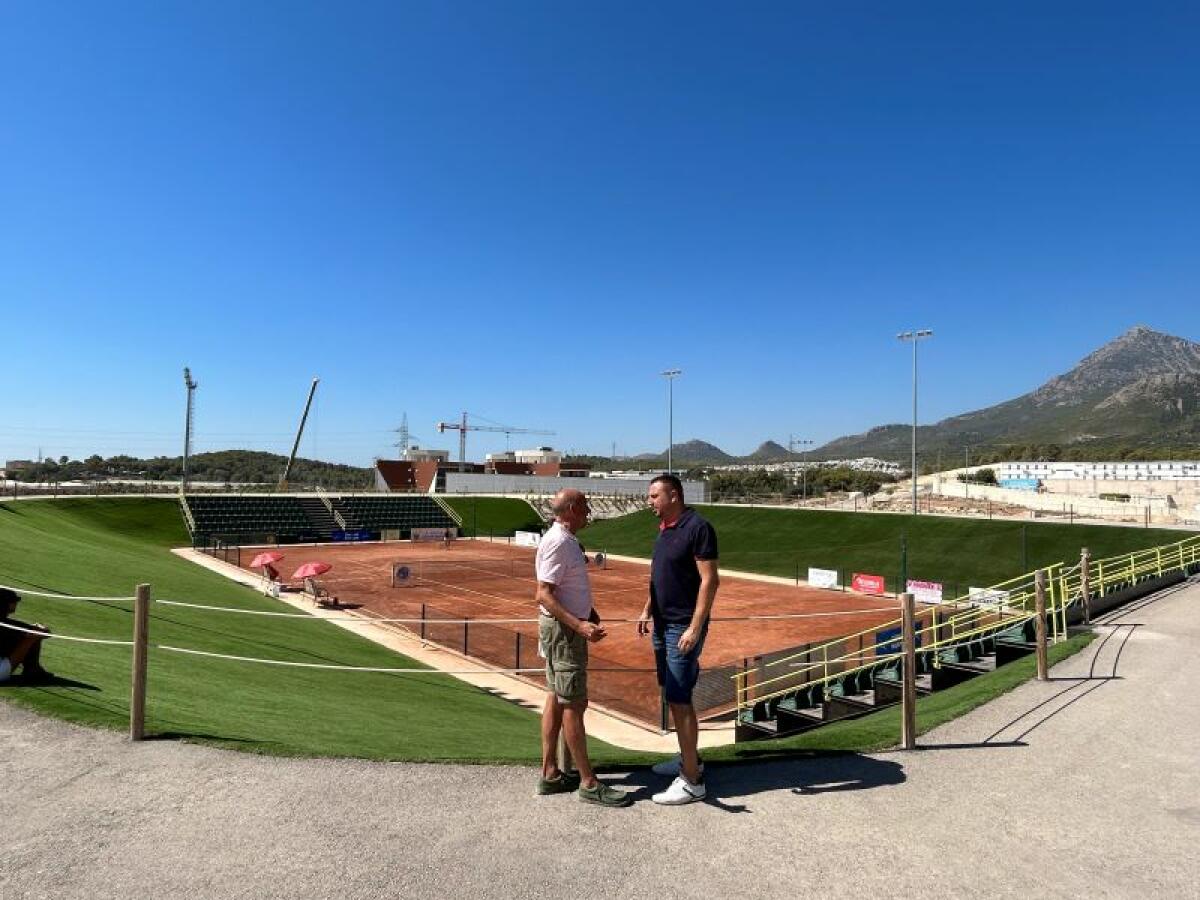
[(287, 470), (187, 427)]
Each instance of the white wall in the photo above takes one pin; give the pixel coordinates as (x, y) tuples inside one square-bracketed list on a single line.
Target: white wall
[(475, 483)]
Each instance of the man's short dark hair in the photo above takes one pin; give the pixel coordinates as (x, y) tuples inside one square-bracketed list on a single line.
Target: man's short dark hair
[(7, 596), (670, 481)]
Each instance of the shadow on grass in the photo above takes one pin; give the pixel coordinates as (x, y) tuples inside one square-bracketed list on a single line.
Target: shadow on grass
[(54, 681), (802, 774), (204, 737)]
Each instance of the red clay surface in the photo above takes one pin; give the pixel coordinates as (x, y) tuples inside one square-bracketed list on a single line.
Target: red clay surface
[(621, 675)]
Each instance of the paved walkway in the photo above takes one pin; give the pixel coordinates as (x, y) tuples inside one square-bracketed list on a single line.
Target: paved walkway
[(1084, 785)]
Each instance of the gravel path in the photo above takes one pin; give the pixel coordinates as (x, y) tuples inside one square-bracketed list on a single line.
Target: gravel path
[(1087, 783)]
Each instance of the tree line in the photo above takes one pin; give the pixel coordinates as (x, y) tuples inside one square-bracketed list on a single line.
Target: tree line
[(817, 482), (223, 466)]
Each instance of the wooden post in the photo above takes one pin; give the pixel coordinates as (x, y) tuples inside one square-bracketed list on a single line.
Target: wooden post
[(1085, 581), (141, 630), (565, 762), (908, 712), (1039, 624)]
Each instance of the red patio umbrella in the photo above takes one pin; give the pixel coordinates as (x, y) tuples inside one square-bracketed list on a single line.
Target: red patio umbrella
[(311, 570), (265, 559)]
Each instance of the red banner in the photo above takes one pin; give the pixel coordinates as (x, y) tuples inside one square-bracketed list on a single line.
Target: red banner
[(868, 584)]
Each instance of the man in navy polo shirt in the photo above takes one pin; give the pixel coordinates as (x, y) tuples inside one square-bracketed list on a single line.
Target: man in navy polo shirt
[(683, 584)]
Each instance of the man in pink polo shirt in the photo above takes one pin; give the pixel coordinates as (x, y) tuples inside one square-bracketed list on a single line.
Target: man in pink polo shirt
[(566, 625)]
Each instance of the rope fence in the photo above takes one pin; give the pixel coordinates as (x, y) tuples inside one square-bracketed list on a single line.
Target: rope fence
[(57, 596), (1042, 597)]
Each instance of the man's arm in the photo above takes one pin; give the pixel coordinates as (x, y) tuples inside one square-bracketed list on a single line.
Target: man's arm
[(643, 625), (709, 582), (546, 597)]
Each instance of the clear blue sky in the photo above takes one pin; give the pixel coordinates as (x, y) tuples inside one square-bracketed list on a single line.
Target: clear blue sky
[(528, 210)]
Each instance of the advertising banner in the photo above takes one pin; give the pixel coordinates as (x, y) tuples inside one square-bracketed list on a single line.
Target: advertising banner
[(526, 538), (984, 595), (431, 534), (888, 641), (823, 578), (925, 591), (868, 584)]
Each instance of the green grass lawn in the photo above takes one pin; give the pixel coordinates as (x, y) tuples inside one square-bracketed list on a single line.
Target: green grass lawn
[(957, 552), (494, 516), (107, 546)]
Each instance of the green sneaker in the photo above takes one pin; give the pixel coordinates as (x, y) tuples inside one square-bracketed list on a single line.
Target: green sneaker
[(563, 784), (603, 795)]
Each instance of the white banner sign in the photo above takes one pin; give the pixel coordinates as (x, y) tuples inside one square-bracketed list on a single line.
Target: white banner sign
[(527, 538), (925, 591), (823, 578), (432, 534), (984, 595)]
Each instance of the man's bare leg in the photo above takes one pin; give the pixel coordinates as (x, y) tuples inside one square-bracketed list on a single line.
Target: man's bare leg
[(576, 738), (551, 725), (27, 651), (687, 731)]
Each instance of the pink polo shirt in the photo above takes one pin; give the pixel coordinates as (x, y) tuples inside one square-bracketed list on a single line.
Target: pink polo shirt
[(560, 562)]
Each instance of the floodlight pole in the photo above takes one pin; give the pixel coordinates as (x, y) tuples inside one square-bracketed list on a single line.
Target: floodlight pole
[(671, 375), (793, 443), (915, 337), (190, 384)]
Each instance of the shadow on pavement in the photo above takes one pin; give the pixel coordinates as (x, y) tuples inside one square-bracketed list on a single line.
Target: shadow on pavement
[(805, 775)]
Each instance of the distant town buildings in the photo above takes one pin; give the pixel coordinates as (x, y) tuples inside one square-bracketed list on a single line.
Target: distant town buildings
[(862, 464), (1176, 470)]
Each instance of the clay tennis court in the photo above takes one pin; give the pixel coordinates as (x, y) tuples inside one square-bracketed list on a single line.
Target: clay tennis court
[(479, 580)]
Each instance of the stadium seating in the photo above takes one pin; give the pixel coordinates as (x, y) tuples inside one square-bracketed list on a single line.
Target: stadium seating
[(294, 518), (390, 511)]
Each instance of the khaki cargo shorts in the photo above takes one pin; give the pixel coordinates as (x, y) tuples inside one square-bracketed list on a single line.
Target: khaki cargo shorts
[(566, 653)]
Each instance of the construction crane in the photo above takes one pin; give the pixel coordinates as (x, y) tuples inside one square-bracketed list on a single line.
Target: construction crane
[(287, 470), (187, 428), (462, 428)]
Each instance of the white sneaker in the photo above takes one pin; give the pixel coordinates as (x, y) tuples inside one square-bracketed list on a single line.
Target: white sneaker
[(680, 792), (672, 767)]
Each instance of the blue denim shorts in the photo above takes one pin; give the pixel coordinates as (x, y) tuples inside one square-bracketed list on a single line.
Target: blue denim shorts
[(677, 672)]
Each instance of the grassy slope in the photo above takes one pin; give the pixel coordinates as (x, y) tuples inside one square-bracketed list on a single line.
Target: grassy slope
[(106, 546), (494, 515), (964, 552)]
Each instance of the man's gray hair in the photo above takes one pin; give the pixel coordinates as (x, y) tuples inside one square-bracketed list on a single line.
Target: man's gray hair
[(564, 500)]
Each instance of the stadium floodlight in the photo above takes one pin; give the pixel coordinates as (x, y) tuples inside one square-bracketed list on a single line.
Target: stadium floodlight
[(915, 336), (793, 443), (671, 375)]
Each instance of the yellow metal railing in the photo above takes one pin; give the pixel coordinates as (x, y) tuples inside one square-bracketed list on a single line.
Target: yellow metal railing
[(823, 664)]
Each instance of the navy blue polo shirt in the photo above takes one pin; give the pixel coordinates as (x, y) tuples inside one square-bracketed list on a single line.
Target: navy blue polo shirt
[(674, 575)]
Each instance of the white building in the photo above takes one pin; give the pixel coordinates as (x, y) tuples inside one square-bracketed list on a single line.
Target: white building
[(1176, 470)]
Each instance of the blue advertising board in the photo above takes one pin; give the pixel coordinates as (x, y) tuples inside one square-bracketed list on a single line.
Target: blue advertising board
[(359, 535), (889, 641)]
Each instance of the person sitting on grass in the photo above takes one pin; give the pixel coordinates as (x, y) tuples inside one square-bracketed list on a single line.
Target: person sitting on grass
[(19, 648)]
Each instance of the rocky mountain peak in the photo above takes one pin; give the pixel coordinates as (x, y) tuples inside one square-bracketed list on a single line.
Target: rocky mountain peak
[(1139, 353)]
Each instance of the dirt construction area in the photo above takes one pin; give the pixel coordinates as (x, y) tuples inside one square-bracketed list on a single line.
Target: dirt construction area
[(481, 582)]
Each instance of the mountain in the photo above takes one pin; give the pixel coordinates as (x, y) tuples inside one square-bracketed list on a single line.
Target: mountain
[(695, 452), (1140, 391), (769, 451)]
